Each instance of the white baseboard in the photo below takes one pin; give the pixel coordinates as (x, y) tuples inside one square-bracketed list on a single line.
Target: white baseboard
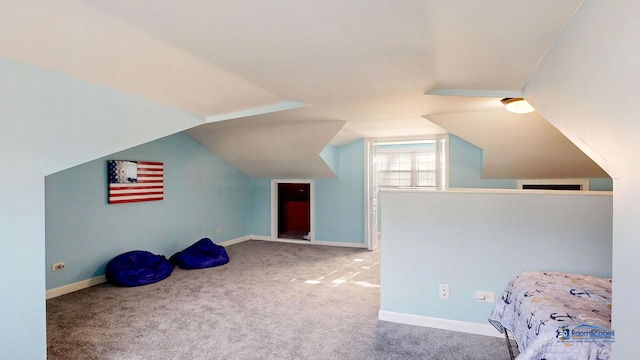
[(236, 240), (337, 243), (438, 323), (75, 286), (313, 242)]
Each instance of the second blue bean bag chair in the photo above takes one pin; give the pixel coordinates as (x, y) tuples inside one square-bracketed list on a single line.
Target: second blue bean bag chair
[(135, 268), (202, 254)]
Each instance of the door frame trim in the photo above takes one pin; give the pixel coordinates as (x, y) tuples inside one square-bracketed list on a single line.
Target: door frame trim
[(372, 238), (274, 206), (370, 189)]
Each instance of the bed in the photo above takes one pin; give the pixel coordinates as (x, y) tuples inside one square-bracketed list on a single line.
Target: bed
[(553, 315)]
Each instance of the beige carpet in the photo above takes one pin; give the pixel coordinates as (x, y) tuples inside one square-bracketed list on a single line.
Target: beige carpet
[(272, 301)]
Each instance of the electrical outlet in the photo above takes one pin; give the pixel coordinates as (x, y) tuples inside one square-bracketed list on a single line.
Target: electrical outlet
[(218, 230), (484, 296), (57, 266), (444, 292)]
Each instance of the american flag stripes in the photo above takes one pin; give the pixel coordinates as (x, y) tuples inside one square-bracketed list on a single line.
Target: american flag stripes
[(133, 181)]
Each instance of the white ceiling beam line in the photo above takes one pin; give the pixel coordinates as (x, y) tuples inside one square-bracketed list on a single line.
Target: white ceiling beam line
[(267, 109), (476, 93)]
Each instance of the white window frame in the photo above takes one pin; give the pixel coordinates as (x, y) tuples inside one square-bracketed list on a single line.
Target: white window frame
[(442, 160), (372, 237)]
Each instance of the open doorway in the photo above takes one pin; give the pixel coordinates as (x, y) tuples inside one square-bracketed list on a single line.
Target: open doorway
[(417, 163), (292, 209)]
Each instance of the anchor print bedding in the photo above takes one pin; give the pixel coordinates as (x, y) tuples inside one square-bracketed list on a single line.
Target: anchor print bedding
[(537, 306)]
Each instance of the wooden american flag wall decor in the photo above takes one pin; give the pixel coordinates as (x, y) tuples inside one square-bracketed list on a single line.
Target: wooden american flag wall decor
[(134, 181)]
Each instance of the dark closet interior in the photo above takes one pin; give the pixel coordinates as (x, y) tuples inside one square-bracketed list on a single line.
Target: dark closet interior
[(294, 211), (576, 187)]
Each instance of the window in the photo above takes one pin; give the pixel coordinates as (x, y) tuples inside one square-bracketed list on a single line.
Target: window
[(415, 164)]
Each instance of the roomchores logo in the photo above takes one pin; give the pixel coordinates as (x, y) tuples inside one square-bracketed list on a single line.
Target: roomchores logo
[(585, 332), (563, 333)]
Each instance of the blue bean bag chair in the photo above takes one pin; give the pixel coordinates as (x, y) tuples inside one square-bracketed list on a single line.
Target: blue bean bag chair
[(202, 254), (135, 268)]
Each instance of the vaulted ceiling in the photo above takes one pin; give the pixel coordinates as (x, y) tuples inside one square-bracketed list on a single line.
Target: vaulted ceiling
[(275, 81)]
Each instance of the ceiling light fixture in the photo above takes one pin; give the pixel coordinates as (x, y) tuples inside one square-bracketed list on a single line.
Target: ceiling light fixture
[(517, 105)]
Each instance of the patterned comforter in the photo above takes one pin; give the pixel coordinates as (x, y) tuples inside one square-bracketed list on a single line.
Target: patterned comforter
[(557, 315)]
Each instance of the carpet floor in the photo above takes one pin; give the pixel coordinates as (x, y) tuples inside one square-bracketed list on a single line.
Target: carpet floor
[(271, 301)]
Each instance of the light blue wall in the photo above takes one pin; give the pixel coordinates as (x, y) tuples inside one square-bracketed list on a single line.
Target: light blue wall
[(330, 155), (261, 206), (201, 193), (465, 169), (478, 241), (601, 184), (339, 203), (49, 122)]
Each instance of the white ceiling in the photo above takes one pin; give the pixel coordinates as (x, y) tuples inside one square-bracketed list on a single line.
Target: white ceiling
[(551, 154), (266, 146), (361, 66)]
